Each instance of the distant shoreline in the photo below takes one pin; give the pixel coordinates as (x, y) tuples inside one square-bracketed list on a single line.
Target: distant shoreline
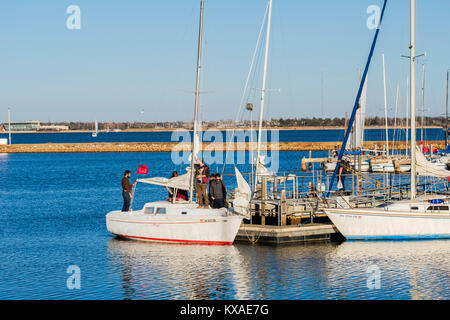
[(108, 147), (219, 129)]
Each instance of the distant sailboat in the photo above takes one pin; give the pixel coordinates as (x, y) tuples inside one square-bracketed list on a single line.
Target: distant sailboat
[(95, 133)]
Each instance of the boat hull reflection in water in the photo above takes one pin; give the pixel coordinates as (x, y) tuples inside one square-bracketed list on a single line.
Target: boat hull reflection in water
[(350, 270)]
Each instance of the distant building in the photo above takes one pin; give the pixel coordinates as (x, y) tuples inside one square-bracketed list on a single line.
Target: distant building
[(23, 126), (54, 128), (34, 125)]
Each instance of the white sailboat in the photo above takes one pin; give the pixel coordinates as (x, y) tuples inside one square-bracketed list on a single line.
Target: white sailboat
[(426, 217), (384, 164), (182, 221), (95, 133), (357, 141)]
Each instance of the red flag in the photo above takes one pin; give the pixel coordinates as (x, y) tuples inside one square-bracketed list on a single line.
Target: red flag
[(142, 169)]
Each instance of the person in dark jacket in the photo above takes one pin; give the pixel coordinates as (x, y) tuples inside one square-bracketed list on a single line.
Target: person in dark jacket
[(174, 174), (218, 192), (126, 190)]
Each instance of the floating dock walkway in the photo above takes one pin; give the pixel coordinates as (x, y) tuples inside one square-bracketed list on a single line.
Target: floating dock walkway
[(264, 234)]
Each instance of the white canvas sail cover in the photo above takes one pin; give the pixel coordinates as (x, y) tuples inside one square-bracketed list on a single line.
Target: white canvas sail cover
[(261, 169), (360, 120), (242, 195), (427, 168), (361, 117), (197, 147), (179, 182)]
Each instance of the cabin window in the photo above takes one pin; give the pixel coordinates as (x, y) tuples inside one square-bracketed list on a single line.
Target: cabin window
[(161, 210), (414, 208), (149, 210), (183, 212)]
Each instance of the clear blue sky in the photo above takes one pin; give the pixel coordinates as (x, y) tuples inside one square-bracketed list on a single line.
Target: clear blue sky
[(138, 54)]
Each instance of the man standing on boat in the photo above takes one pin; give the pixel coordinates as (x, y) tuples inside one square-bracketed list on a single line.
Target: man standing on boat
[(202, 179), (218, 192), (126, 190)]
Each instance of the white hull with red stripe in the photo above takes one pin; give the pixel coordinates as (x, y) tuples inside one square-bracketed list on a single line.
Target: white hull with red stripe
[(163, 221)]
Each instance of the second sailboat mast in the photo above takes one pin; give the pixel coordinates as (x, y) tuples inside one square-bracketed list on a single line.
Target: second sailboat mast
[(263, 88)]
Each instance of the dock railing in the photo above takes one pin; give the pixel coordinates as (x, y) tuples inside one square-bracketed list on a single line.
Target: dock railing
[(296, 197)]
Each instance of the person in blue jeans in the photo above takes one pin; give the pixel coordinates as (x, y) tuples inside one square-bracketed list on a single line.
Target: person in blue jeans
[(126, 190)]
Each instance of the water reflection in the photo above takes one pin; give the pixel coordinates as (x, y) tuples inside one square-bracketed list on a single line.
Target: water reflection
[(172, 271), (409, 270)]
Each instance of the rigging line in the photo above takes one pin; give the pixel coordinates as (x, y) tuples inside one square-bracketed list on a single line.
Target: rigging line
[(241, 107), (358, 97), (252, 63)]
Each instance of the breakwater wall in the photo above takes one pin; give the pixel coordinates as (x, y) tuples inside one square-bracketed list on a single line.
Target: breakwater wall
[(186, 147)]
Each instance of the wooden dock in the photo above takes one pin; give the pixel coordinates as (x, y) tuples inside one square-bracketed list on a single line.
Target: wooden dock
[(266, 234)]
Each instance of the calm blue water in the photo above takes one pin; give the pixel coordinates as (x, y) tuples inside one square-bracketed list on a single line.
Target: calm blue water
[(52, 216), (431, 134)]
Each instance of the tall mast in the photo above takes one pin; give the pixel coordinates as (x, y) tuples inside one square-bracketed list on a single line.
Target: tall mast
[(197, 86), (446, 114), (395, 119), (385, 106), (407, 116), (423, 101), (263, 88), (9, 125), (412, 47)]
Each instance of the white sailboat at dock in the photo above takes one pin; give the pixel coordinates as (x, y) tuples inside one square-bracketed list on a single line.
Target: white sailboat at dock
[(182, 221), (424, 217)]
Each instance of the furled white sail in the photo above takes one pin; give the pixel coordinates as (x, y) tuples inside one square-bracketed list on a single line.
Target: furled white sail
[(360, 118), (242, 195), (179, 182), (197, 145), (427, 168)]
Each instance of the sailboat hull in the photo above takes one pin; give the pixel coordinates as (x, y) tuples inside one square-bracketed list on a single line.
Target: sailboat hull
[(375, 224), (194, 226)]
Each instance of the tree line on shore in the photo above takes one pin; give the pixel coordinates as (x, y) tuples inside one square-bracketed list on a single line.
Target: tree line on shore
[(282, 123)]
